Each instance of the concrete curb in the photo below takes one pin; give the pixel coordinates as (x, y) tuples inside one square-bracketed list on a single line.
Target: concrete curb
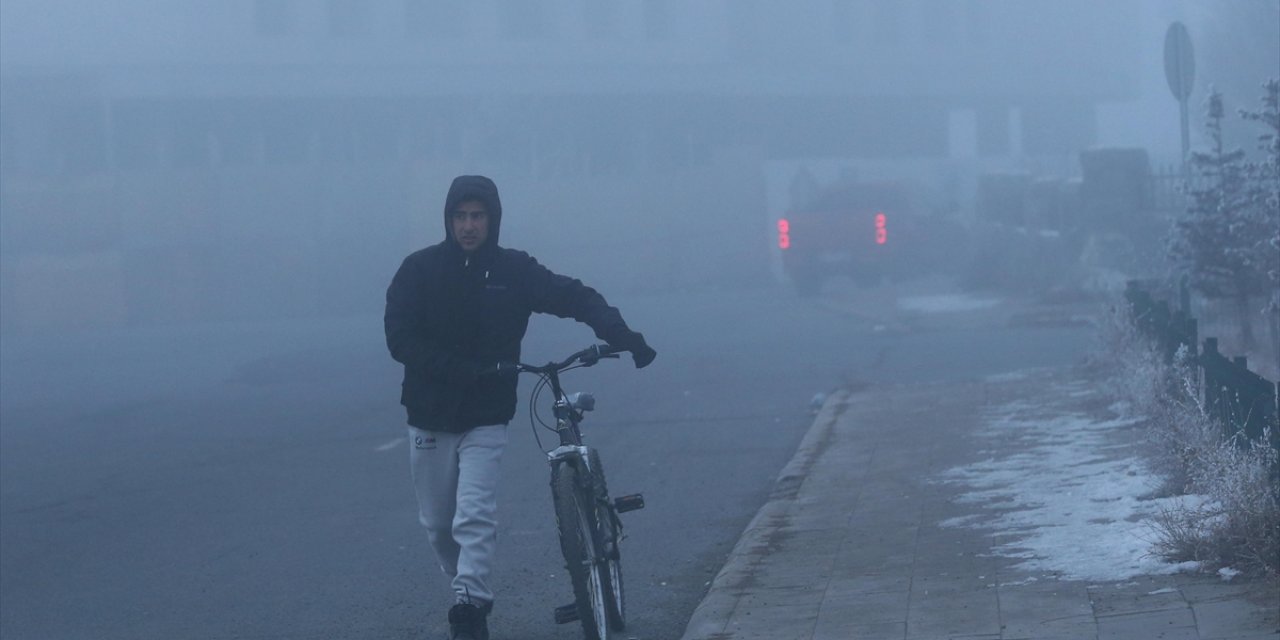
[(711, 616)]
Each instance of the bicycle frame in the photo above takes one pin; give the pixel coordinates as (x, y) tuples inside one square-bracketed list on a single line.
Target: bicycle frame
[(567, 419)]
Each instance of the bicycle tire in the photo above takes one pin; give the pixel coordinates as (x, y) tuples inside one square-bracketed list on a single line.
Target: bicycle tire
[(578, 543), (611, 537)]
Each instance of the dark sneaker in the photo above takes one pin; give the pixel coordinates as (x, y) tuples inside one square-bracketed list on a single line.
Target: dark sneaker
[(468, 622)]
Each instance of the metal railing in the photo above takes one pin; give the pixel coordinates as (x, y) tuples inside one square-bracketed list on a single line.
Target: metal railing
[(1237, 398), (1168, 188)]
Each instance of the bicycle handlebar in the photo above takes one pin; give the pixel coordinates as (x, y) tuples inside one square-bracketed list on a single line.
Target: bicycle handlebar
[(586, 357)]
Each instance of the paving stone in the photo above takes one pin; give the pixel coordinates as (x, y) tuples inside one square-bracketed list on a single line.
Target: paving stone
[(839, 630), (1111, 602), (849, 609), (820, 520), (773, 623), (872, 559), (1224, 619), (796, 596), (960, 636), (1045, 612), (853, 585), (863, 533), (1150, 625), (951, 606)]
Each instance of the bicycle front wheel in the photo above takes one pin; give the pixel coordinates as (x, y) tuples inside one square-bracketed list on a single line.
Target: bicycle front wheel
[(575, 522), (610, 541)]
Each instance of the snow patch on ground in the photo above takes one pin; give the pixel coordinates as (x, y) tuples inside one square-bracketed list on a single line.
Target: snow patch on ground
[(1011, 376), (1064, 494), (961, 521), (946, 303)]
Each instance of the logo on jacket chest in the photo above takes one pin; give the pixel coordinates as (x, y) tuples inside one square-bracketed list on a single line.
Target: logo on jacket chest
[(424, 442)]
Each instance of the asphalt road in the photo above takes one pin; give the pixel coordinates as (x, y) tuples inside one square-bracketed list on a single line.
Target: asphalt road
[(251, 480)]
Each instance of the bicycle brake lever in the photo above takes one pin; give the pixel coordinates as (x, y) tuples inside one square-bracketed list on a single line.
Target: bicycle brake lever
[(590, 356)]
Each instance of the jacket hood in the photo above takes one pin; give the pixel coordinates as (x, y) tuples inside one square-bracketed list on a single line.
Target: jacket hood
[(474, 188)]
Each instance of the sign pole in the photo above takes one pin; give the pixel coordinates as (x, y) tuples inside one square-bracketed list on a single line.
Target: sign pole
[(1186, 134)]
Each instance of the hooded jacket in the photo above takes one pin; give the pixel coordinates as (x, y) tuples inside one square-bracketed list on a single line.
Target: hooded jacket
[(450, 315)]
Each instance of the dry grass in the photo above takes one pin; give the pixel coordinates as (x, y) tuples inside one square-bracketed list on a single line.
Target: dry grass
[(1237, 522)]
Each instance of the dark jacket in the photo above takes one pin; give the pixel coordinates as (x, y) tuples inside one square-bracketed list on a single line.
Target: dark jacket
[(450, 315)]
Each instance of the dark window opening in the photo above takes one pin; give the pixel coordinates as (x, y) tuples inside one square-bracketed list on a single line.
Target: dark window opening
[(193, 137), (524, 20), (79, 135), (1057, 128), (349, 18), (137, 136), (975, 22), (286, 138), (237, 132), (993, 131), (435, 18), (274, 18), (842, 22), (940, 24), (886, 22), (599, 18), (657, 20)]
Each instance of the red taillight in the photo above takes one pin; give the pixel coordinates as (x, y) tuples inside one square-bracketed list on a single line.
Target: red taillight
[(882, 233), (784, 234)]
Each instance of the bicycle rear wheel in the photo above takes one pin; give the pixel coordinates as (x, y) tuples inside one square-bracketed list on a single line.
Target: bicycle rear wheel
[(575, 521)]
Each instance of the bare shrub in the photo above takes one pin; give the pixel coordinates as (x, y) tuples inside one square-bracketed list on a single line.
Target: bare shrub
[(1137, 378), (1181, 532), (1237, 477), (1128, 361), (1178, 426), (1237, 523), (1233, 517)]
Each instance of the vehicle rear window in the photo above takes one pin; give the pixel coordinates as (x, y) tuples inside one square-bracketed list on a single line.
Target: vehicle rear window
[(860, 198)]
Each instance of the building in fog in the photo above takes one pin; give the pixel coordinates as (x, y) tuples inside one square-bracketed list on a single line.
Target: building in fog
[(180, 159)]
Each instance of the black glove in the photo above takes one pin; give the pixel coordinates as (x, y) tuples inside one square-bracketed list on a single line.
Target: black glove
[(641, 353)]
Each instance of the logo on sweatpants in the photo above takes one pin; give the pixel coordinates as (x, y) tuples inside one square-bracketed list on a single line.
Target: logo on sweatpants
[(424, 442)]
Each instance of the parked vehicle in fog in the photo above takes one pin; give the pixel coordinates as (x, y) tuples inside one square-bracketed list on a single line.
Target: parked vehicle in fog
[(865, 231)]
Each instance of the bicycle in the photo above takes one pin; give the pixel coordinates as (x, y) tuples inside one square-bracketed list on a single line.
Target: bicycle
[(586, 518)]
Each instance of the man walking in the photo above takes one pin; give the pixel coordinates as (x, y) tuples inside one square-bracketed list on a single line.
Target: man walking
[(454, 311)]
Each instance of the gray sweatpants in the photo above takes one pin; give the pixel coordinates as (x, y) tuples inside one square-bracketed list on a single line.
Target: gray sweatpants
[(455, 476)]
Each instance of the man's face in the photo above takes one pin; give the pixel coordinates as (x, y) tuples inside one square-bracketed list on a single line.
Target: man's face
[(470, 224)]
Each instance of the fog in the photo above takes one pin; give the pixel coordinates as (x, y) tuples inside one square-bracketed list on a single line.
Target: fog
[(190, 161), (202, 203), (176, 163)]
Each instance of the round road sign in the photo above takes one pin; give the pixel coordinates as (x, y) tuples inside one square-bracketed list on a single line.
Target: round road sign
[(1179, 62)]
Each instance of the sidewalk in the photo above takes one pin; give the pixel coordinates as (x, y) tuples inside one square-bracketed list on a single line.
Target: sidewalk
[(999, 509)]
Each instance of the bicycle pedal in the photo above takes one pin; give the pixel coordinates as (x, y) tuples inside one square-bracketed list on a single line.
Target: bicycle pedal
[(623, 504), (566, 614)]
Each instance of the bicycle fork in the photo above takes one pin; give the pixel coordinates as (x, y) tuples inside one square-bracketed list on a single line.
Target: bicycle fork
[(576, 454)]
